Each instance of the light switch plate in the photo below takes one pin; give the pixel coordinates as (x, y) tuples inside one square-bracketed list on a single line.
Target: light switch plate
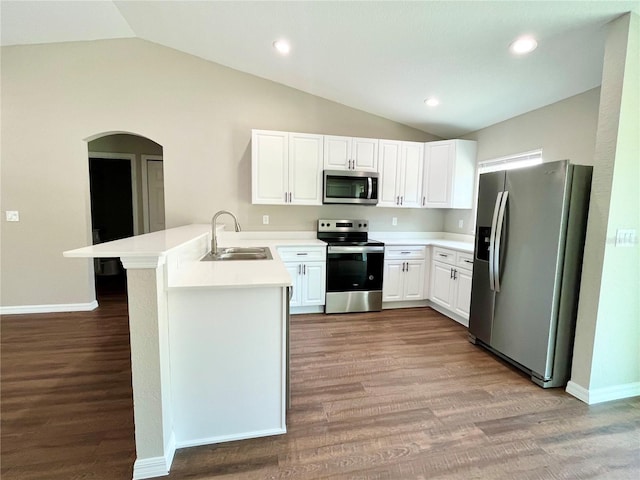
[(13, 216), (394, 221), (460, 223), (626, 237), (265, 219)]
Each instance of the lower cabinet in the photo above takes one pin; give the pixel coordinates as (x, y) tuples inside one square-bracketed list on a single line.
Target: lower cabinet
[(451, 282), (308, 269), (308, 283), (404, 273)]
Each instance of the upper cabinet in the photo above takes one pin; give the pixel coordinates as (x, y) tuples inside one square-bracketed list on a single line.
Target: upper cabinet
[(400, 165), (449, 174), (350, 153), (286, 168)]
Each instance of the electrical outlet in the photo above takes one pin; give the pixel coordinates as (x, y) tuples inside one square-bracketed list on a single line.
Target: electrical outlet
[(13, 216), (394, 221), (460, 223), (265, 219)]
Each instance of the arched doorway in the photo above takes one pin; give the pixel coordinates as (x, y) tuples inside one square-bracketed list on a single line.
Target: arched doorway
[(127, 197)]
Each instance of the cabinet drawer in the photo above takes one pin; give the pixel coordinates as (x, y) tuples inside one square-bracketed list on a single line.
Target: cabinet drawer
[(464, 260), (302, 254), (444, 255), (406, 252)]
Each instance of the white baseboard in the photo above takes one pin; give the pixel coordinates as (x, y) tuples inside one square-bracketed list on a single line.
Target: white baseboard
[(606, 394), (155, 466), (405, 304), (230, 438), (309, 309), (448, 313), (53, 308)]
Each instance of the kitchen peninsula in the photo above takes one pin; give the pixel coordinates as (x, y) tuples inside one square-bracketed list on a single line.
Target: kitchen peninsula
[(208, 341), (209, 345)]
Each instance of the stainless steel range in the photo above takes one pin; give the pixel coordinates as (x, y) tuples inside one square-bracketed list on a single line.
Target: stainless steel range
[(354, 266)]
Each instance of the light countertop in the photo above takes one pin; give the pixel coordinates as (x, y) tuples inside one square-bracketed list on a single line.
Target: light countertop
[(188, 272), (241, 273), (155, 244), (463, 243)]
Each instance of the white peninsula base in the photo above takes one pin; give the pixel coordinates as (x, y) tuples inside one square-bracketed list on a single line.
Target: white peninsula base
[(227, 365)]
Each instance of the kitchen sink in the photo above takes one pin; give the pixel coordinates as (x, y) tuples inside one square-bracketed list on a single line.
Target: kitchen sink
[(239, 253)]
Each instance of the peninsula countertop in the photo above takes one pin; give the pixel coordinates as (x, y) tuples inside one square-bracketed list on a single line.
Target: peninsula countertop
[(243, 273), (186, 271)]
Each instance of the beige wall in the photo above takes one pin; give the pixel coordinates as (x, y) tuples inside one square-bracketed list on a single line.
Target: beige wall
[(564, 130), (57, 97), (608, 331)]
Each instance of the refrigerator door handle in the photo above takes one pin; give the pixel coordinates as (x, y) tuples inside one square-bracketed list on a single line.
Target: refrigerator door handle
[(503, 207), (492, 241)]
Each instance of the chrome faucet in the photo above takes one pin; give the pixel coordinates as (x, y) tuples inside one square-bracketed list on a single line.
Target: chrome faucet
[(214, 240)]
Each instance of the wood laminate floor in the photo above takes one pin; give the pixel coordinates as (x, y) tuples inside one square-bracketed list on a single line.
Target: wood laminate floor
[(393, 395)]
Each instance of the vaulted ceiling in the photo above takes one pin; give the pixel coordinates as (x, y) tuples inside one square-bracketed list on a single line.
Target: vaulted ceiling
[(383, 57)]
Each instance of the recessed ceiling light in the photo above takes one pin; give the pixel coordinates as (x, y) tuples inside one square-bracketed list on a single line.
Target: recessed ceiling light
[(523, 45), (282, 46), (432, 102)]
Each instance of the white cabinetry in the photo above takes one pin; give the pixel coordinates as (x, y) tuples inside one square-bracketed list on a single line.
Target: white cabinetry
[(308, 269), (348, 153), (286, 168), (404, 273), (451, 282), (449, 174), (400, 165)]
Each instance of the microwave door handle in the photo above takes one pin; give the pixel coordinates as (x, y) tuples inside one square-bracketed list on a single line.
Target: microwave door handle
[(370, 188)]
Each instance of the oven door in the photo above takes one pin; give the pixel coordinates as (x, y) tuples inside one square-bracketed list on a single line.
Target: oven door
[(352, 268)]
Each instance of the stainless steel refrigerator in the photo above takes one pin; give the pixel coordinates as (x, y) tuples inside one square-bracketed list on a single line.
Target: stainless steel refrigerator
[(530, 231)]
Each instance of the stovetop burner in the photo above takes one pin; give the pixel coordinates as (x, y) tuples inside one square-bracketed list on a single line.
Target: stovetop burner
[(346, 233)]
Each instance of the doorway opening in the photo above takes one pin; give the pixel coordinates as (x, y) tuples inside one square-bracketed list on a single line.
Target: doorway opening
[(126, 182)]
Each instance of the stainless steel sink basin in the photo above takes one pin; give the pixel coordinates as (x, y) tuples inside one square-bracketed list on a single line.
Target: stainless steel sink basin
[(239, 253)]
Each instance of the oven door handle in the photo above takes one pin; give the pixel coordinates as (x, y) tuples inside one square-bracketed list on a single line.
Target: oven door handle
[(363, 249)]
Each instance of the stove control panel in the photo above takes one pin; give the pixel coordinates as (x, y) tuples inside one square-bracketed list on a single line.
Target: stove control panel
[(328, 225)]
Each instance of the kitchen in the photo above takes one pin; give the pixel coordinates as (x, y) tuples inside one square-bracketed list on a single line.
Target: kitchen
[(192, 156)]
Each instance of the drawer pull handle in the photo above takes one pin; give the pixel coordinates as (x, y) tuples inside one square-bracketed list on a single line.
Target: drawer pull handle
[(443, 255), (405, 253), (468, 261), (301, 253)]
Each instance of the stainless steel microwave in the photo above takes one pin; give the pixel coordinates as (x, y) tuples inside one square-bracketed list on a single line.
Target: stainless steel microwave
[(344, 186)]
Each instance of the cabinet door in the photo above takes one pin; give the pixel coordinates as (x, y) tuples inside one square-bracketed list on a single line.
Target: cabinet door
[(441, 285), (337, 152), (412, 161), (462, 301), (305, 168), (313, 283), (294, 270), (365, 154), (414, 280), (389, 169), (392, 287), (269, 166), (438, 174)]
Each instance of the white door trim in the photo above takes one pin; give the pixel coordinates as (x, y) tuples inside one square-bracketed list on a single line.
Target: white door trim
[(145, 188), (134, 180)]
